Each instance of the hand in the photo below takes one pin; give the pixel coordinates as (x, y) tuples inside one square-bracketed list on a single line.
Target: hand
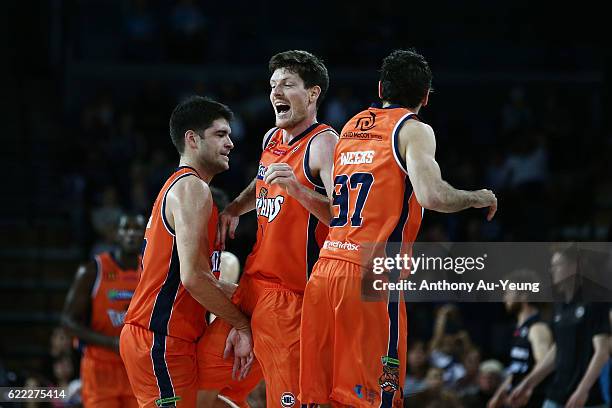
[(520, 395), (578, 399), (241, 344), (486, 198), (282, 174), (226, 225)]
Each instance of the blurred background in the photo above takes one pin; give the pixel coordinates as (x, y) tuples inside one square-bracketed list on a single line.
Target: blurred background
[(521, 106)]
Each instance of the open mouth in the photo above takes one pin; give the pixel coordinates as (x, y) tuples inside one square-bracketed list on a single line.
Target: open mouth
[(281, 108)]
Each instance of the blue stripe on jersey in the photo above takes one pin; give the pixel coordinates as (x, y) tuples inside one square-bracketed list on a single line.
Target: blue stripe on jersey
[(166, 296), (313, 248), (160, 368), (314, 180), (395, 137), (163, 210), (395, 240)]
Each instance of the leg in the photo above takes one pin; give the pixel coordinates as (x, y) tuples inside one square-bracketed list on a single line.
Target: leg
[(162, 370), (317, 339), (276, 337), (215, 372), (369, 345)]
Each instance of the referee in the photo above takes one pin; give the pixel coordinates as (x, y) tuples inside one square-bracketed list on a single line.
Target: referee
[(581, 333)]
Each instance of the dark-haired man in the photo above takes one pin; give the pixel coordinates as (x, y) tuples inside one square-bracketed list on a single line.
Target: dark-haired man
[(177, 286), (293, 212), (531, 340), (385, 173), (95, 310), (581, 331)]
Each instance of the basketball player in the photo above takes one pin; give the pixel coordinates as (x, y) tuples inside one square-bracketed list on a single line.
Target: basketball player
[(94, 312), (531, 341), (288, 195), (177, 287), (385, 173), (581, 332)]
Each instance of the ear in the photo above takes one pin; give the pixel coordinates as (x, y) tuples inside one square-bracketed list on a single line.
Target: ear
[(314, 93), (191, 139), (380, 90), (425, 99)]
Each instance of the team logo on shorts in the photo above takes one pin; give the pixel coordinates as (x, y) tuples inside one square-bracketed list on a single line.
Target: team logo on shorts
[(389, 380), (287, 399)]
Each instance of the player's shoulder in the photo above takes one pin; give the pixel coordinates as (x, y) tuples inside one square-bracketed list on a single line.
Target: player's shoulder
[(416, 127), (87, 270), (267, 137), (191, 190)]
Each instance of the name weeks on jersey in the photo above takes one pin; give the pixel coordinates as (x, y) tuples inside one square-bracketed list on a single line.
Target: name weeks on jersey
[(359, 157)]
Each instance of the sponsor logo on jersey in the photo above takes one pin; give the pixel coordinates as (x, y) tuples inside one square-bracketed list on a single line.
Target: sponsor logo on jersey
[(268, 207), (287, 399), (347, 246), (116, 317), (363, 392), (366, 122), (115, 295), (261, 171), (358, 157)]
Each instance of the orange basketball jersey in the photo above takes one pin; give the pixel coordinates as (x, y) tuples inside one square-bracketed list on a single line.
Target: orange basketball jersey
[(110, 297), (373, 199), (288, 236), (161, 303)]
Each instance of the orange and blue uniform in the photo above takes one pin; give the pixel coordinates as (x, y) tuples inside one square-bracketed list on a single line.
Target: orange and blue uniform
[(353, 351), (271, 289), (164, 322), (104, 379)]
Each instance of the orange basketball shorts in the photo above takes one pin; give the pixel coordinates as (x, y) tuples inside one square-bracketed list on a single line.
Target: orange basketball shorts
[(105, 384), (162, 369), (275, 322), (353, 351)]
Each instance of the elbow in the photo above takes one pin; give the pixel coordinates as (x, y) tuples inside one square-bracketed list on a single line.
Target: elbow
[(189, 281), (430, 200)]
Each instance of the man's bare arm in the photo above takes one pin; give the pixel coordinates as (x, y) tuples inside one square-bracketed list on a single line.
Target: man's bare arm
[(321, 162), (188, 209), (541, 340), (418, 148), (598, 360), (77, 307)]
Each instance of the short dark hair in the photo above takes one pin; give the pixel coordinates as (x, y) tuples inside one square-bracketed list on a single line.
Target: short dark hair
[(405, 78), (308, 66), (195, 113)]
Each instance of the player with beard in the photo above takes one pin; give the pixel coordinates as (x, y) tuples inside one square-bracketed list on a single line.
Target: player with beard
[(167, 315), (531, 340), (289, 195)]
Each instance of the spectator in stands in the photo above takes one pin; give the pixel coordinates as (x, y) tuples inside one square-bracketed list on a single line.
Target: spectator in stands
[(188, 33), (490, 376), (449, 342), (142, 31), (417, 367), (468, 384)]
